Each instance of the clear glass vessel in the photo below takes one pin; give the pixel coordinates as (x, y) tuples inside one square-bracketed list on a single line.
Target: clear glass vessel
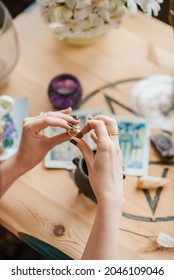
[(9, 47)]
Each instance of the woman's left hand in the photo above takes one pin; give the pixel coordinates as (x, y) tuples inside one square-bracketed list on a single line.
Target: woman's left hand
[(34, 144)]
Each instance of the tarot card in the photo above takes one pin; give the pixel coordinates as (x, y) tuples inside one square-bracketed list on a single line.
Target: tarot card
[(12, 127), (93, 113), (61, 155), (134, 135)]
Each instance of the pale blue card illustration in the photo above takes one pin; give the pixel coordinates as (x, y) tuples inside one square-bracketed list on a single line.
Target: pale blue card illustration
[(12, 128), (134, 143)]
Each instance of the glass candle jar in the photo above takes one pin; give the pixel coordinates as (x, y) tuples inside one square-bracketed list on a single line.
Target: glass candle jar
[(65, 91)]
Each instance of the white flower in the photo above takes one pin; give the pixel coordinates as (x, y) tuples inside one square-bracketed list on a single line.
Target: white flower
[(88, 18), (132, 6), (77, 4), (46, 2), (149, 6), (153, 6)]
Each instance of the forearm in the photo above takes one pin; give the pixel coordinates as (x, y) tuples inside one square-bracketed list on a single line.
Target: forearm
[(103, 239), (10, 170)]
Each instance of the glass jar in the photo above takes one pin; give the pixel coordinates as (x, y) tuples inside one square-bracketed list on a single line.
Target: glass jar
[(9, 47)]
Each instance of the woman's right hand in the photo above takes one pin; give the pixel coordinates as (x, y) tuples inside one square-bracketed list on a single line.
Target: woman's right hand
[(105, 167), (106, 179)]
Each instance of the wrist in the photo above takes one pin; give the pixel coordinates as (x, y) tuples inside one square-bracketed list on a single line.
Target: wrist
[(111, 203), (19, 164), (112, 196), (10, 170)]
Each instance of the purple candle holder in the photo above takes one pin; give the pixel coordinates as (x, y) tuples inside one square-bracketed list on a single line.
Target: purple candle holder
[(65, 91)]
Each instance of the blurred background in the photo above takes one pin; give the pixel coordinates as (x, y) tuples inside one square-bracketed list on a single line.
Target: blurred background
[(10, 246), (15, 7)]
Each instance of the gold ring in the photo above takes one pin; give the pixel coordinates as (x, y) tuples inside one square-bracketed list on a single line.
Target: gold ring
[(113, 133)]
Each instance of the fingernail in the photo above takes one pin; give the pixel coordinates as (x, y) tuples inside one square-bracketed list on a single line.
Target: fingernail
[(90, 117), (70, 124), (73, 142), (79, 135), (75, 117)]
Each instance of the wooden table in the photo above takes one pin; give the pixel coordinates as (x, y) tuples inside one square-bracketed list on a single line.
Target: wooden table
[(43, 207)]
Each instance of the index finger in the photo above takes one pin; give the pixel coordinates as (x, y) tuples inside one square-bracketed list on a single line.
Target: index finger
[(37, 124), (61, 115), (111, 126), (99, 128)]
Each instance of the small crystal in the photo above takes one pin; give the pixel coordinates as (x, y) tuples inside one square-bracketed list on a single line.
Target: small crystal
[(165, 240), (148, 182), (164, 144)]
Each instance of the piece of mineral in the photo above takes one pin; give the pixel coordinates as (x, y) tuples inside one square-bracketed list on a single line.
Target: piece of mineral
[(164, 144), (151, 182)]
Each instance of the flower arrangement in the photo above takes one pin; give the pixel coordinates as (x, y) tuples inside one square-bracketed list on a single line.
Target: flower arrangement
[(90, 18)]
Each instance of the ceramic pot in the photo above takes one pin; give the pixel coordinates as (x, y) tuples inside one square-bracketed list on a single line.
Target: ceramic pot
[(81, 178)]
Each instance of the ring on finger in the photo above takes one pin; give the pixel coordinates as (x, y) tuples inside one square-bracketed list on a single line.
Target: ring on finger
[(113, 133)]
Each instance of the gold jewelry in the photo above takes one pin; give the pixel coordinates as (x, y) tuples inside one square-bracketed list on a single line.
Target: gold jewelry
[(113, 133), (74, 131)]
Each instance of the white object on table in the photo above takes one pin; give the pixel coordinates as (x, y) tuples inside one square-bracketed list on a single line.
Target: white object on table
[(153, 98)]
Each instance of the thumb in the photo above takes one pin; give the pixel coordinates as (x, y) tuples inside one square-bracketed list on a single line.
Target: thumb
[(58, 139), (85, 150), (66, 111)]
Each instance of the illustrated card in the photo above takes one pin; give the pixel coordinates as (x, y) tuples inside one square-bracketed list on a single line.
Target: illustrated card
[(12, 128), (134, 143)]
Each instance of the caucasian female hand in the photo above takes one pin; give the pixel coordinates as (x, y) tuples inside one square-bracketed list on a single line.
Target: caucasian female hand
[(34, 144), (105, 167)]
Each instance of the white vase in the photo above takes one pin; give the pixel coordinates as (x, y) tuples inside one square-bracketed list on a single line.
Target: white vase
[(82, 42)]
